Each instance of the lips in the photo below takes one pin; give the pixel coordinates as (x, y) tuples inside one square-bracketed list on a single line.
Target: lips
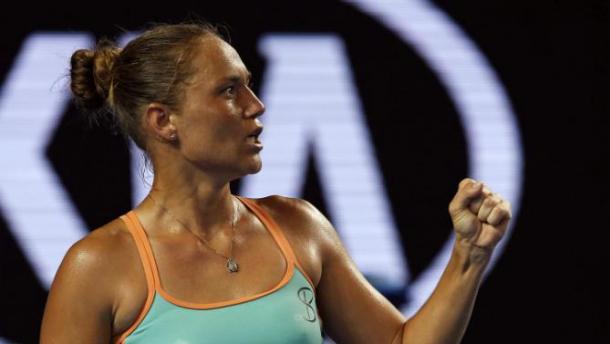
[(256, 132)]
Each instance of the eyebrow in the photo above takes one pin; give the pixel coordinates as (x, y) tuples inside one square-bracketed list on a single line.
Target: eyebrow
[(236, 78)]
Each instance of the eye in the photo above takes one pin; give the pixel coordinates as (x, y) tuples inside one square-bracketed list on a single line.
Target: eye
[(229, 91)]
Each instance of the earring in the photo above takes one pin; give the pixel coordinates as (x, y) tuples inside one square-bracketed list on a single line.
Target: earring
[(172, 137)]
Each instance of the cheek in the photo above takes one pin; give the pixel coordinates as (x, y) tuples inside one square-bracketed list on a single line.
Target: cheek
[(224, 129), (212, 130), (213, 137)]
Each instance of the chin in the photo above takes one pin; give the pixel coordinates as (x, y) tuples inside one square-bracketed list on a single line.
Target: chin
[(256, 167), (253, 166)]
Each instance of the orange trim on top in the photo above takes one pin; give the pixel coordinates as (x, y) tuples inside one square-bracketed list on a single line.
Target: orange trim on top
[(276, 231), (147, 249), (153, 279), (137, 237), (193, 305)]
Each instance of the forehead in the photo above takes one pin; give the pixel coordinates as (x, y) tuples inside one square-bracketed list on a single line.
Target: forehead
[(217, 60)]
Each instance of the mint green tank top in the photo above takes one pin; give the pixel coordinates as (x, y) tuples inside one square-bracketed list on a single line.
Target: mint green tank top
[(287, 313)]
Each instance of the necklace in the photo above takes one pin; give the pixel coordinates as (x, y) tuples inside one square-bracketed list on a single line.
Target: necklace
[(231, 263)]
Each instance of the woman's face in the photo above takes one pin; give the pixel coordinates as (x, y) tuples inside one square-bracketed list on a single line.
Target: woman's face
[(220, 113)]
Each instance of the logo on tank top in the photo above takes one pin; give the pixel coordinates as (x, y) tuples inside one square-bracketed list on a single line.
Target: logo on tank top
[(305, 295)]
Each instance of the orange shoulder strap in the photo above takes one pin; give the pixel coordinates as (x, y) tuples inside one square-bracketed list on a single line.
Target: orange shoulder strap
[(148, 264), (276, 232)]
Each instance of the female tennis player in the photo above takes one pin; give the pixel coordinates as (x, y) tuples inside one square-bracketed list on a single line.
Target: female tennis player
[(193, 263)]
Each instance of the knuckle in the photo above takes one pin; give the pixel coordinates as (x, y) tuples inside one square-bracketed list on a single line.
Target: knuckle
[(465, 182), (453, 206), (487, 191), (490, 202)]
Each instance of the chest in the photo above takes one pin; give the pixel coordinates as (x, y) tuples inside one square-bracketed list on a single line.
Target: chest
[(191, 273), (194, 272)]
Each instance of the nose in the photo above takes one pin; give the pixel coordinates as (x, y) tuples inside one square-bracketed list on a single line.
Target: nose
[(255, 106)]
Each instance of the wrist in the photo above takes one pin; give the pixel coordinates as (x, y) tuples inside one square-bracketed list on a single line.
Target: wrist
[(471, 256)]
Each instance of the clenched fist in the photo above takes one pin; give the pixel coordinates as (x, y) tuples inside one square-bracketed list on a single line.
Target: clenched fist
[(479, 216)]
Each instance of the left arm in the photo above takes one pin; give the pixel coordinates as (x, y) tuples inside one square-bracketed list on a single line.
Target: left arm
[(480, 219), (355, 312)]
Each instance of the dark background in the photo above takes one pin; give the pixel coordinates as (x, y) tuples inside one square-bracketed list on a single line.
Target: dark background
[(552, 57)]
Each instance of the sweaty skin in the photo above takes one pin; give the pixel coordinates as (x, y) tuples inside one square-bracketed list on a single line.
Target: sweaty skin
[(100, 286)]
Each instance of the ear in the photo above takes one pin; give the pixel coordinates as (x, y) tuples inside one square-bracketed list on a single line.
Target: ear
[(158, 120)]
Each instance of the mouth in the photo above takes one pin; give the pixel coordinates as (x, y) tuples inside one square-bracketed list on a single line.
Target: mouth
[(256, 133)]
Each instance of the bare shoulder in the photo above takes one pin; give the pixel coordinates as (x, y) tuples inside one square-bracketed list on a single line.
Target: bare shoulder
[(297, 215), (89, 273), (310, 233), (111, 251), (107, 251), (108, 244)]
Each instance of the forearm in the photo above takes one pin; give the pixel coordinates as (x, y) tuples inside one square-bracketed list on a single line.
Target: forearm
[(445, 315)]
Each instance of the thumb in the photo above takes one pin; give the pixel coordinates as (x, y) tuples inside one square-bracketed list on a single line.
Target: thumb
[(468, 190)]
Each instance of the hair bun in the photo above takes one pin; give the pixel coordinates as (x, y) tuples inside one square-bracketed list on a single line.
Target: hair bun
[(91, 74)]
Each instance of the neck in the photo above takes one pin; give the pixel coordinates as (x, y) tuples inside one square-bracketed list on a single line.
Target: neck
[(201, 203)]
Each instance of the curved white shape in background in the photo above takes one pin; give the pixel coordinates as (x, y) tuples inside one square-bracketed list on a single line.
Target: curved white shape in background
[(314, 108), (37, 208), (492, 135)]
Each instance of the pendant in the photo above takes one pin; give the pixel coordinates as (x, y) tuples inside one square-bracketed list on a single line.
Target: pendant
[(232, 265)]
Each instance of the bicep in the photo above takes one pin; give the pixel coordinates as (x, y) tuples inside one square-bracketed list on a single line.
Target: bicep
[(352, 309), (79, 308)]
